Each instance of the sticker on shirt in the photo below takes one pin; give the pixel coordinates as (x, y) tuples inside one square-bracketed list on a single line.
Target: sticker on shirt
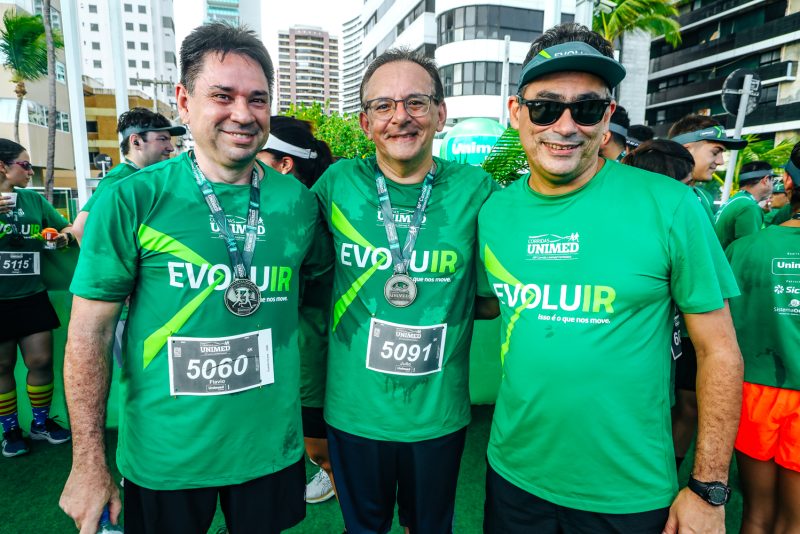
[(677, 346), (220, 365), (554, 247), (19, 263), (399, 349)]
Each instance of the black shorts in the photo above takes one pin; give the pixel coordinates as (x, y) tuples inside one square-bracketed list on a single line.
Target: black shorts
[(269, 504), (686, 367), (27, 315), (420, 476), (313, 423), (512, 510)]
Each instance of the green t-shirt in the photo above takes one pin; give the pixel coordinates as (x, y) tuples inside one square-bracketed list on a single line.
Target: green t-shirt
[(383, 394), (313, 339), (159, 244), (767, 314), (586, 287), (778, 216), (706, 200), (21, 249), (738, 217), (123, 170)]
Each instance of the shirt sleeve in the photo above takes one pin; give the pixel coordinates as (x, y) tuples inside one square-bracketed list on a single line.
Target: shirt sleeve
[(748, 222), (700, 276)]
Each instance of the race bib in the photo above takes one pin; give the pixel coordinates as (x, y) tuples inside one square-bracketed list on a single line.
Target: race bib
[(221, 365), (677, 346), (399, 349), (19, 263)]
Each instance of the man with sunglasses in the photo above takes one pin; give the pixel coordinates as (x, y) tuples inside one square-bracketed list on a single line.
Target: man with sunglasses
[(580, 438), (146, 139), (404, 227)]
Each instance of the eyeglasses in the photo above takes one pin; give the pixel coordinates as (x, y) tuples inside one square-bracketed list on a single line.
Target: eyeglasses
[(584, 112), (24, 164), (384, 108)]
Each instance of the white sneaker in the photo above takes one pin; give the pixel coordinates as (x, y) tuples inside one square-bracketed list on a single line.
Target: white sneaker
[(319, 489)]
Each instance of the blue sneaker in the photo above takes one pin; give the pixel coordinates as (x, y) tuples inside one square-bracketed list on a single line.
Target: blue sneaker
[(51, 431), (13, 443)]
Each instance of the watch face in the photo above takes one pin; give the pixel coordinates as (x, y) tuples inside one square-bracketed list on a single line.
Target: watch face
[(717, 495)]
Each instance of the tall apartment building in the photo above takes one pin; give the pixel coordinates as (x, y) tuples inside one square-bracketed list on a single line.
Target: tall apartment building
[(150, 50), (33, 114), (718, 38), (466, 39), (223, 10), (308, 68), (352, 65)]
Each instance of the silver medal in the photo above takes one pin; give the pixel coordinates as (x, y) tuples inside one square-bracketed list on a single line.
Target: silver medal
[(400, 290), (242, 297)]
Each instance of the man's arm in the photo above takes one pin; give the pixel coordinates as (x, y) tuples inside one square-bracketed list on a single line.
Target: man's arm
[(79, 225), (86, 376), (719, 399)]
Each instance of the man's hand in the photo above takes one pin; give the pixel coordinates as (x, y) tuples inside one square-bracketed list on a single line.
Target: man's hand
[(689, 514), (89, 488)]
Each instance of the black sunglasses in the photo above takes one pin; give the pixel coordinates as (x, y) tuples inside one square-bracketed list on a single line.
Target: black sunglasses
[(584, 112), (24, 164)]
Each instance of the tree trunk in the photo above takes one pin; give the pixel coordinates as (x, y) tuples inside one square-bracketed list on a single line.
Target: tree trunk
[(51, 107), (20, 92)]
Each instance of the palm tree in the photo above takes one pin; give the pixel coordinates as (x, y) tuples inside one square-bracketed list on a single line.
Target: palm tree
[(759, 150), (52, 41), (656, 17), (24, 47)]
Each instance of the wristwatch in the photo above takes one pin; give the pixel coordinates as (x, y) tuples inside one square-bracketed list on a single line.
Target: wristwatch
[(714, 493)]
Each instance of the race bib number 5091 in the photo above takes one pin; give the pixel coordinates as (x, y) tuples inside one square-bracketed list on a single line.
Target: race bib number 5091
[(400, 349)]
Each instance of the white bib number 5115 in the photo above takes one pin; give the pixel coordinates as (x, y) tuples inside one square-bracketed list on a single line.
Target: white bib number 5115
[(400, 349)]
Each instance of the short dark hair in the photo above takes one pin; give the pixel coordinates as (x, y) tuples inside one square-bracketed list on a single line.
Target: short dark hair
[(300, 134), (10, 150), (662, 156), (754, 166), (795, 156), (692, 123), (566, 33), (140, 118), (404, 54), (223, 39), (640, 132), (620, 117)]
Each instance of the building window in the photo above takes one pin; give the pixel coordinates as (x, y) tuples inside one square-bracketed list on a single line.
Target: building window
[(131, 45), (169, 58), (132, 63), (97, 64), (37, 114), (167, 23), (142, 9), (95, 46), (128, 8), (91, 126), (769, 95), (129, 26), (142, 27), (61, 73), (145, 46), (476, 78), (133, 81), (92, 8), (768, 58), (489, 22), (145, 64), (62, 121), (94, 27)]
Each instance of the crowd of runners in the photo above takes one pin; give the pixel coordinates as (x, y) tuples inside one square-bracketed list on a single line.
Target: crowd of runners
[(265, 302)]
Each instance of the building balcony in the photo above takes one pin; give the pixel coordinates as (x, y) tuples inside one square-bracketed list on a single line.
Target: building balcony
[(776, 28), (764, 114), (786, 70), (709, 11)]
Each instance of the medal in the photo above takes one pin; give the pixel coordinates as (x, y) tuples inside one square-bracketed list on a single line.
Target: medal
[(242, 297), (400, 290)]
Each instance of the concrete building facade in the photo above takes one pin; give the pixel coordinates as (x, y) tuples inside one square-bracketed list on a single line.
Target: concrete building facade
[(308, 68), (352, 65)]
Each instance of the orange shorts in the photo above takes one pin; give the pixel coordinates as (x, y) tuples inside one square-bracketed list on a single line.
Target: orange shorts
[(769, 428)]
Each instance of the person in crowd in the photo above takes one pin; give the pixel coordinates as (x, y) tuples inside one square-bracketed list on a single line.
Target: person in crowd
[(580, 436), (742, 215), (403, 226), (28, 316), (638, 134), (615, 140), (662, 156), (791, 177), (209, 246), (767, 319), (146, 139)]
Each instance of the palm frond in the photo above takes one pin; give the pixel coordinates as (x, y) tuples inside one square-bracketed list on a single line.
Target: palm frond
[(24, 46), (507, 161)]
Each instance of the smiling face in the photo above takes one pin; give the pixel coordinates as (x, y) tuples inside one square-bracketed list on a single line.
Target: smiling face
[(707, 157), (227, 111), (564, 155), (402, 141), (155, 147)]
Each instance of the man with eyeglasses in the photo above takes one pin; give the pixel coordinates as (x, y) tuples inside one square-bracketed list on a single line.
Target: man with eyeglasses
[(146, 139), (580, 439), (403, 225)]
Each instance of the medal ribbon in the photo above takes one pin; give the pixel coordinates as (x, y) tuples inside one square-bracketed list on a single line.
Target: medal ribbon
[(240, 262), (402, 257)]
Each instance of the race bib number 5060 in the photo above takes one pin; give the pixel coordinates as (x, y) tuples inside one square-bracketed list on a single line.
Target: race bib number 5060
[(400, 349), (221, 365)]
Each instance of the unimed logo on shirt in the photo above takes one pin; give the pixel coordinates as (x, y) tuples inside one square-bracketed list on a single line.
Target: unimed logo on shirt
[(553, 247), (238, 226), (786, 266), (402, 217)]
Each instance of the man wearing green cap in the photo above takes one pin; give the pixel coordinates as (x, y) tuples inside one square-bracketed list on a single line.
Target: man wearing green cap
[(741, 215), (791, 176), (580, 438), (778, 200)]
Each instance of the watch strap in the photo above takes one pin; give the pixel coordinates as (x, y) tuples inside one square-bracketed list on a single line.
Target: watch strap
[(715, 493)]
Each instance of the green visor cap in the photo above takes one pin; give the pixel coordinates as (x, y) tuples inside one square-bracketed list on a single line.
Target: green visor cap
[(712, 133), (172, 130), (572, 56)]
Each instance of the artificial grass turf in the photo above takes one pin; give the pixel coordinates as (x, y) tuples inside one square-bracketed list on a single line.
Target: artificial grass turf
[(30, 487)]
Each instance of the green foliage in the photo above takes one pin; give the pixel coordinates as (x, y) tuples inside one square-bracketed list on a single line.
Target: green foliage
[(760, 150), (507, 161), (341, 131), (24, 47), (656, 17)]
